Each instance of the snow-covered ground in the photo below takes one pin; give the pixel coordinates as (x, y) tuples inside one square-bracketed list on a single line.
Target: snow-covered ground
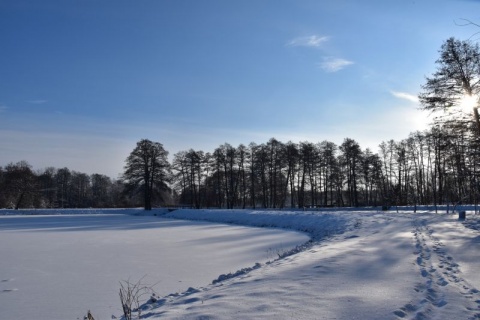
[(360, 265), (59, 267)]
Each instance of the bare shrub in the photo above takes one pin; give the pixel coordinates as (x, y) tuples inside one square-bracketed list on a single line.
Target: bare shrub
[(88, 316), (131, 295)]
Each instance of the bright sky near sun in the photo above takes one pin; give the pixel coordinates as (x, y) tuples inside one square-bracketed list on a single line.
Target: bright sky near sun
[(81, 81)]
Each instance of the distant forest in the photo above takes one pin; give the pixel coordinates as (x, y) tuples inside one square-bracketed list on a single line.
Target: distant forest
[(440, 165), (432, 167)]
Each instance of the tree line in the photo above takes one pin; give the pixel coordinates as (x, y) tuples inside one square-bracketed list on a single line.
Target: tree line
[(436, 166), (22, 187)]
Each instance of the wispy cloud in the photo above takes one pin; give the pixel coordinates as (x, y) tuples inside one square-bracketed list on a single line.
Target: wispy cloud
[(308, 41), (3, 108), (405, 96), (330, 64), (37, 101)]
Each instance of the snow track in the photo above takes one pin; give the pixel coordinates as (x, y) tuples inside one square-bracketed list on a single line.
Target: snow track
[(443, 290)]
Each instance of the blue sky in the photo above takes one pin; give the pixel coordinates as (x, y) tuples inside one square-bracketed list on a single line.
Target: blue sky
[(82, 81)]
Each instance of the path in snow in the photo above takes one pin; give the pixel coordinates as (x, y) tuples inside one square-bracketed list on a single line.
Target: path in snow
[(442, 282)]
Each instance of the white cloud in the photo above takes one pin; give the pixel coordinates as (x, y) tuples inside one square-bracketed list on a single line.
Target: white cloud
[(308, 41), (330, 64), (405, 96)]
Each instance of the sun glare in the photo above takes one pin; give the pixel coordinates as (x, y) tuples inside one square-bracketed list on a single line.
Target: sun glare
[(467, 103)]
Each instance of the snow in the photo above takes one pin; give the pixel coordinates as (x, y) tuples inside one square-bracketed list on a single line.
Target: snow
[(359, 264), (61, 266)]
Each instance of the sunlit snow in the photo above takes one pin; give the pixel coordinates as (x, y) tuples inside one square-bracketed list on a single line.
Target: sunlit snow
[(364, 264)]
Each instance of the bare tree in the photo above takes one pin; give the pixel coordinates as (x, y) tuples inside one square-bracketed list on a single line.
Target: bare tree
[(20, 184), (456, 80), (48, 188), (148, 170), (352, 159), (101, 190)]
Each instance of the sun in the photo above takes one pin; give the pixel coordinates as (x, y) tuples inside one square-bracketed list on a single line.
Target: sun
[(467, 103)]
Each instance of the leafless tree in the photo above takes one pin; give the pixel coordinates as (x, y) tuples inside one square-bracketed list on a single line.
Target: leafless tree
[(147, 169)]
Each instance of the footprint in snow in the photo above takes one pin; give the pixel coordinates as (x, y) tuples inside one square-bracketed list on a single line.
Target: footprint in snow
[(420, 287), (7, 280), (405, 310), (440, 304), (442, 282), (9, 290), (400, 313), (420, 261)]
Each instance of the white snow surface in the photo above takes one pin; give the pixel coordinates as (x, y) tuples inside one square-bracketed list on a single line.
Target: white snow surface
[(59, 267), (364, 264)]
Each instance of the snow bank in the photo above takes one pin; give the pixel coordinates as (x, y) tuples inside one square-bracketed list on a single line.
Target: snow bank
[(317, 224)]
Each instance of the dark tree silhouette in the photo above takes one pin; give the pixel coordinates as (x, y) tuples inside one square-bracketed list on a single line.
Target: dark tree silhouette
[(20, 182), (147, 169), (351, 159)]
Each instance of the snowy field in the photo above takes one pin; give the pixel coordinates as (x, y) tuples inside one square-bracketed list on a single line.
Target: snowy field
[(58, 267), (360, 265)]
